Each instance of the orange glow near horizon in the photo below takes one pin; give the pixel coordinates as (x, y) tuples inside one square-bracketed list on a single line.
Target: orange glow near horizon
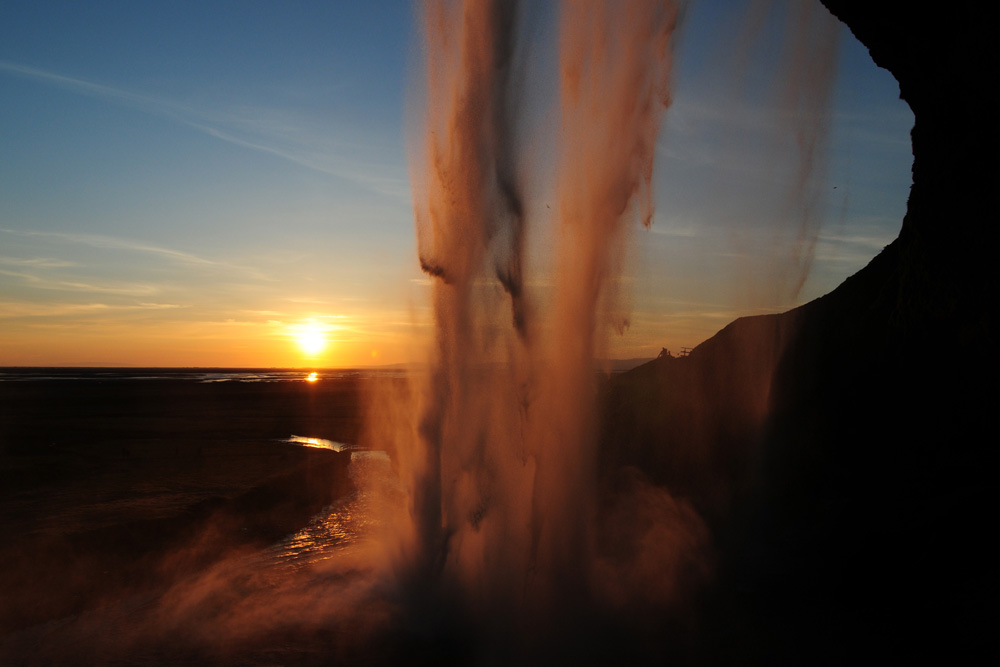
[(362, 340), (352, 340)]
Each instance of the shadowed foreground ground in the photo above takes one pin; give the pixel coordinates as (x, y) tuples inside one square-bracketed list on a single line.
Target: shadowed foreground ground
[(115, 487)]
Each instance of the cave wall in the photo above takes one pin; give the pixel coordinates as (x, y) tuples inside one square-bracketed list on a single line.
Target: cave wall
[(877, 495), (855, 514), (945, 59)]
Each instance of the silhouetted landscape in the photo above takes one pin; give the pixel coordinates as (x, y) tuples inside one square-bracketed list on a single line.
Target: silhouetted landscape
[(818, 484), (842, 449)]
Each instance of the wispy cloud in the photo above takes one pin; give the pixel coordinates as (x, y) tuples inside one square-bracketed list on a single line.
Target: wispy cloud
[(676, 229), (265, 130), (309, 300), (261, 313), (40, 282), (114, 243), (105, 242), (873, 242), (24, 309), (84, 87), (159, 306), (39, 262), (13, 309), (854, 250)]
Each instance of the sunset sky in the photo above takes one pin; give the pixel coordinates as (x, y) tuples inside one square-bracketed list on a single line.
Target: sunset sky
[(227, 183)]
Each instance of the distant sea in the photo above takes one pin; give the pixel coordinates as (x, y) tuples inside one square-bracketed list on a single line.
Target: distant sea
[(33, 374), (37, 373)]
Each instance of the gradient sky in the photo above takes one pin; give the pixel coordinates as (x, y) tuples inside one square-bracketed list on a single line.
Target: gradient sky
[(210, 183)]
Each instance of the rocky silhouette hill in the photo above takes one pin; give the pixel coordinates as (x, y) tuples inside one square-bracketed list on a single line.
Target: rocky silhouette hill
[(842, 452)]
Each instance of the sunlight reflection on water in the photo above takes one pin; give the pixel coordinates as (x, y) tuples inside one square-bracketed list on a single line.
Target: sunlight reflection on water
[(343, 525), (317, 443)]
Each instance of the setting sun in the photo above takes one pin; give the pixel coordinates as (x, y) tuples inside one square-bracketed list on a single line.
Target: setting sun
[(311, 338)]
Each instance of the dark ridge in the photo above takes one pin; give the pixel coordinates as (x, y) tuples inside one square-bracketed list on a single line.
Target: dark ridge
[(841, 451)]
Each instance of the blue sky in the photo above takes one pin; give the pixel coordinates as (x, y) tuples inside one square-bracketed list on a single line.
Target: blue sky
[(198, 183)]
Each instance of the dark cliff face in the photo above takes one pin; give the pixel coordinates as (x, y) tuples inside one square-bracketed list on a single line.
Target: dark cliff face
[(841, 452), (944, 57)]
